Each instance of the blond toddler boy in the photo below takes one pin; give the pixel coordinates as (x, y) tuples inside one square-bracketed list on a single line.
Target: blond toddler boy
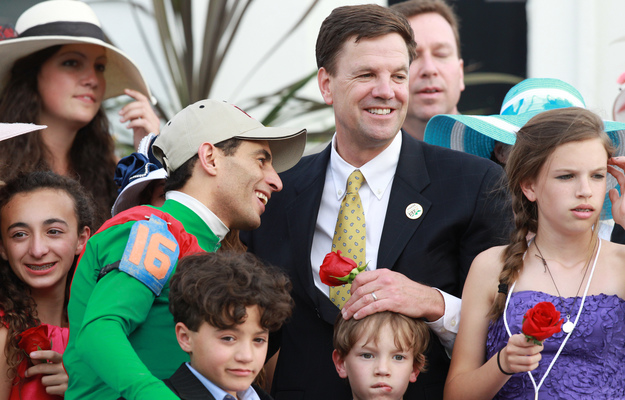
[(380, 354)]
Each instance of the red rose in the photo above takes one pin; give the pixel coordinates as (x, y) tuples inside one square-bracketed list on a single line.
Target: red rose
[(35, 338), (32, 339), (337, 270), (6, 32), (541, 322)]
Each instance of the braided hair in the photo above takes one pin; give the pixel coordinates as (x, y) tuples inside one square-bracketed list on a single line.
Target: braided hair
[(535, 143)]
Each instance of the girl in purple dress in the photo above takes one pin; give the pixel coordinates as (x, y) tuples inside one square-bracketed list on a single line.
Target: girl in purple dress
[(557, 175)]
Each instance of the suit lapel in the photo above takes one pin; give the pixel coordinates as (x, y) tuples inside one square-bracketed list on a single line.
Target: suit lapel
[(301, 216), (411, 177), (188, 386)]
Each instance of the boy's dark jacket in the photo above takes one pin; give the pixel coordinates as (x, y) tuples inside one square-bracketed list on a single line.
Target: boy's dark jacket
[(188, 387)]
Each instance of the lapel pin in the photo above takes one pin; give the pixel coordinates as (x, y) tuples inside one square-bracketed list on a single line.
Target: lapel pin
[(414, 211)]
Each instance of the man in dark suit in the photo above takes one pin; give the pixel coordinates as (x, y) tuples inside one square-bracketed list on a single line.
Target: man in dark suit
[(428, 210)]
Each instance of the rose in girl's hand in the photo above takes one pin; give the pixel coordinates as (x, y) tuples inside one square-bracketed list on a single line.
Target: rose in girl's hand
[(35, 338), (541, 322), (32, 339), (338, 270)]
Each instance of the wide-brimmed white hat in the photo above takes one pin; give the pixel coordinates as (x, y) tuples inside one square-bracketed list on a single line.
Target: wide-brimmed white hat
[(477, 134), (61, 22), (10, 130)]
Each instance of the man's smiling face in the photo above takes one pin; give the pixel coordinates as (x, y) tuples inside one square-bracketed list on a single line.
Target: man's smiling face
[(369, 90)]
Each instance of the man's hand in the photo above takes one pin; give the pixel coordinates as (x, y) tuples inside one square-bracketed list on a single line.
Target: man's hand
[(618, 205), (394, 292)]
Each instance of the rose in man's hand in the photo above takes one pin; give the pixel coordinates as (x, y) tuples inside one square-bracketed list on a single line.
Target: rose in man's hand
[(338, 270)]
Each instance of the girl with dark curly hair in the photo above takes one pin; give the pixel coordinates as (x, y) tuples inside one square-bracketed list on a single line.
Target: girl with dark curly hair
[(45, 221)]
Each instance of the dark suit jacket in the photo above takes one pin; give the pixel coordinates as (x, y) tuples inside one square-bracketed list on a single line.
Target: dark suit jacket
[(463, 214), (618, 234), (188, 387)]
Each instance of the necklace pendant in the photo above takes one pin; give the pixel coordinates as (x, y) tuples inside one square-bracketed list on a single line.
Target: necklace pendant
[(568, 326)]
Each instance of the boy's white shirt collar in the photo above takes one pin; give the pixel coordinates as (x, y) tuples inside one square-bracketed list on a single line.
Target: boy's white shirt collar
[(214, 223), (220, 394)]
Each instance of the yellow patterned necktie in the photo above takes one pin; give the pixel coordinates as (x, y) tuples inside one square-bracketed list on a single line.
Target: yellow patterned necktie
[(349, 233)]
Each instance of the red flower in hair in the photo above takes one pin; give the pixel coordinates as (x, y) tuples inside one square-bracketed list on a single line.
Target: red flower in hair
[(7, 32)]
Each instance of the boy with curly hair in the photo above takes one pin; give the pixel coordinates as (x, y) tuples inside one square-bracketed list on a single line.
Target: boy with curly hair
[(224, 306)]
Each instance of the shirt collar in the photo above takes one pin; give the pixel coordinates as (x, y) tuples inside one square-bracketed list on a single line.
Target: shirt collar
[(220, 394), (213, 222), (378, 172)]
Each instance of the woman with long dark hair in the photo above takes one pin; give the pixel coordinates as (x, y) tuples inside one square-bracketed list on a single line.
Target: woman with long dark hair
[(57, 72)]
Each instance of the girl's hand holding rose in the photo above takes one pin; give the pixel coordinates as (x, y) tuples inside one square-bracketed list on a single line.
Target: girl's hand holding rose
[(520, 355), (49, 364)]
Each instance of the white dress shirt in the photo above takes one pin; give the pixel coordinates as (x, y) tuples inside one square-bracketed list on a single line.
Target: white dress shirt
[(220, 394), (374, 196)]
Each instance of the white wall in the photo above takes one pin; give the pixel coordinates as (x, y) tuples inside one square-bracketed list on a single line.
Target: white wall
[(573, 40), (578, 41), (265, 22)]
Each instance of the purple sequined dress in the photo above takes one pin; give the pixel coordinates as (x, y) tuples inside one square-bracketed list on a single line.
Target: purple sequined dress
[(592, 362)]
